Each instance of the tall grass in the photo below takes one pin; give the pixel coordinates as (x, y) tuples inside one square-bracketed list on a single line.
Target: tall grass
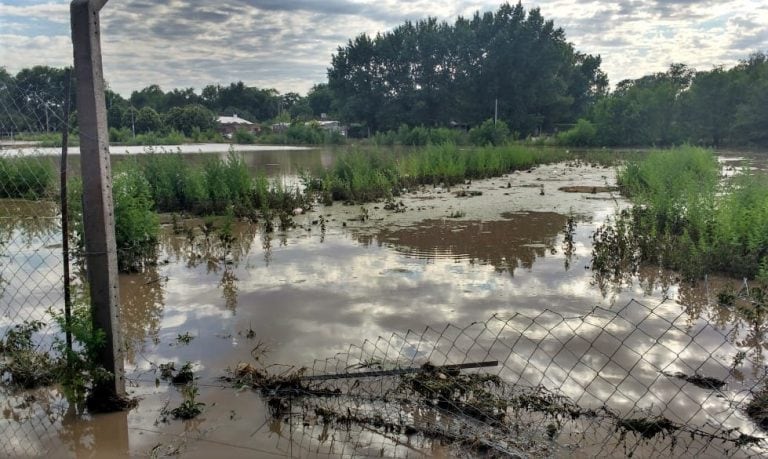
[(363, 176), (26, 177), (217, 186), (686, 218)]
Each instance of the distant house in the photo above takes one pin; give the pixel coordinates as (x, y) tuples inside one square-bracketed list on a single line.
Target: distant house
[(329, 126), (229, 124), (280, 127)]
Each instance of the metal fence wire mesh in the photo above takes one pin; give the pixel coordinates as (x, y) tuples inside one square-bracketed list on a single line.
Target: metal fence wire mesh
[(635, 381), (639, 380), (31, 266)]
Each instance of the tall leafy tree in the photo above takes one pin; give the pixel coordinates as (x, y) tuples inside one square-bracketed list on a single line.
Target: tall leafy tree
[(432, 72)]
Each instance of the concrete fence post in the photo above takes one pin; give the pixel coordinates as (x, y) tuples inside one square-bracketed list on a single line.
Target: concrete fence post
[(98, 209)]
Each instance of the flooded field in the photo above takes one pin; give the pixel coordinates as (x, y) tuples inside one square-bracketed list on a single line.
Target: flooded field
[(498, 269)]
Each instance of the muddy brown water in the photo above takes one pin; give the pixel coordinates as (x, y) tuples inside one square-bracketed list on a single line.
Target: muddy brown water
[(310, 294)]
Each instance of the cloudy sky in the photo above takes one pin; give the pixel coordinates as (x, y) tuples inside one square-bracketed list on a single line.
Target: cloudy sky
[(287, 44)]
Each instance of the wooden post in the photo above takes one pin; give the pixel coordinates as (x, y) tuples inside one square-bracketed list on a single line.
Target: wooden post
[(98, 211)]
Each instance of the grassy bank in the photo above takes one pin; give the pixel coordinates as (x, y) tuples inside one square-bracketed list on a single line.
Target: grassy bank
[(685, 217)]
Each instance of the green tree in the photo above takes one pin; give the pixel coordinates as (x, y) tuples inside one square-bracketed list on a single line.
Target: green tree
[(38, 94), (148, 120), (151, 96), (431, 73), (187, 119), (320, 99)]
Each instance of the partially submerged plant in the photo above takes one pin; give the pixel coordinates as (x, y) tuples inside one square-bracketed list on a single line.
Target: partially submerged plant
[(757, 409), (83, 372), (189, 408), (184, 375), (24, 366), (184, 338), (648, 427)]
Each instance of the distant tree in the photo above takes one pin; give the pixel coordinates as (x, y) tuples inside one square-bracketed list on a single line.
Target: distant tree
[(37, 94), (129, 118), (148, 120), (645, 111), (248, 102), (430, 73), (187, 119), (751, 86), (301, 110), (489, 133), (180, 98), (320, 99), (709, 108), (116, 117), (151, 96)]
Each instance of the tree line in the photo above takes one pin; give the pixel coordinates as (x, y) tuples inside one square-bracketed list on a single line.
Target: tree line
[(719, 107), (33, 101), (423, 80)]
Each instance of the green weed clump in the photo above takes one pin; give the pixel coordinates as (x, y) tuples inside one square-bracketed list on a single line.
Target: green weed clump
[(136, 223), (686, 218), (23, 364), (26, 177), (583, 134), (28, 365)]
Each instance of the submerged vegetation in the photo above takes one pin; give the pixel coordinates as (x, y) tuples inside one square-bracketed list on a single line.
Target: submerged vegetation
[(27, 365), (686, 217)]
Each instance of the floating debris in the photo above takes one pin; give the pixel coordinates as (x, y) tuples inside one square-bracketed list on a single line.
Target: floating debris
[(705, 382)]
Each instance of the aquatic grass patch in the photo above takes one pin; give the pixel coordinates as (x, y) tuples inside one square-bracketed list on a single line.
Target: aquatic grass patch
[(364, 176), (685, 217), (215, 187)]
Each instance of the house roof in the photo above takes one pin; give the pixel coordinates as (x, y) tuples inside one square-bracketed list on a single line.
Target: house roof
[(234, 119)]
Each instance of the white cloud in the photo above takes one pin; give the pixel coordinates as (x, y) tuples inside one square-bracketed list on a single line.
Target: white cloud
[(288, 44)]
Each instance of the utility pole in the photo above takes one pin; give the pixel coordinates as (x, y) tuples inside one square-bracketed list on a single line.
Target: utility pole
[(496, 111), (98, 208)]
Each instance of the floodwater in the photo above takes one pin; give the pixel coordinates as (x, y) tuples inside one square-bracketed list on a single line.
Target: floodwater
[(505, 268)]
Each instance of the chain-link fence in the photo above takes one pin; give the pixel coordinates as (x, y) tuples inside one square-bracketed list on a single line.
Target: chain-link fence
[(637, 381), (31, 262)]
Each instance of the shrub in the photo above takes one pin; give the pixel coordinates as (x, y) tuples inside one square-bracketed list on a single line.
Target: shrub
[(584, 134), (136, 224), (244, 137), (685, 218), (489, 133)]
